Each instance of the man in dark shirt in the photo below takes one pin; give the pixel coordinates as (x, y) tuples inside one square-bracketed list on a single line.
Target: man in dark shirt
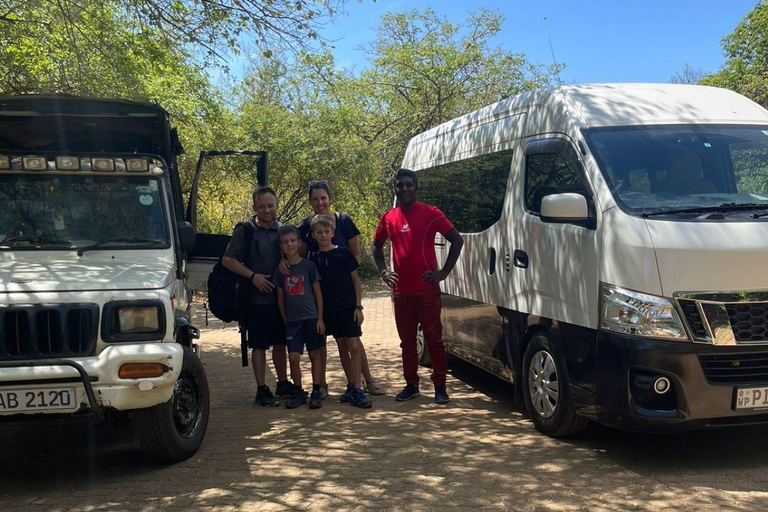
[(265, 325), (411, 227)]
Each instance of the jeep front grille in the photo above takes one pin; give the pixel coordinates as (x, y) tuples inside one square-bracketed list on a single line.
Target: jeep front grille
[(44, 331)]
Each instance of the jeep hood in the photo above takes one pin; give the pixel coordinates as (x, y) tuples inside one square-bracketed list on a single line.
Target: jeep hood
[(62, 275)]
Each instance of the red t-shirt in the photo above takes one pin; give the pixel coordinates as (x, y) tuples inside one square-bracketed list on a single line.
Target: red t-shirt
[(412, 233)]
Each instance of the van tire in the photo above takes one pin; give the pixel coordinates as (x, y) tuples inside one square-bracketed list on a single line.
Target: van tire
[(553, 416), (421, 349), (171, 432)]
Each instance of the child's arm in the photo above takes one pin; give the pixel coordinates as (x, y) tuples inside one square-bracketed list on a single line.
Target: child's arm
[(358, 296), (319, 303), (281, 302)]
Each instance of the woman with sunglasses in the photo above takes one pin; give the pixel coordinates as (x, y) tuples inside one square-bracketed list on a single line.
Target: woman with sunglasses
[(346, 235)]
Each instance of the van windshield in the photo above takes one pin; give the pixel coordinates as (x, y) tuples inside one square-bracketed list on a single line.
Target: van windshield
[(59, 212), (684, 169)]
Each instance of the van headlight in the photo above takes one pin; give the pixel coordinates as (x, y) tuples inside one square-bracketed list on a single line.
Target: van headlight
[(142, 320), (639, 314)]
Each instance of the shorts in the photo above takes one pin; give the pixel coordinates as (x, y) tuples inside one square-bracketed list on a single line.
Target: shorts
[(340, 323), (265, 326), (303, 332)]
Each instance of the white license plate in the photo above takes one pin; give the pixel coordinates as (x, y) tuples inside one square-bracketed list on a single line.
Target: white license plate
[(752, 398), (18, 400)]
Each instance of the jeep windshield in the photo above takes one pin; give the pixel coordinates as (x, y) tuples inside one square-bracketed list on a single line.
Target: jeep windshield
[(689, 171), (55, 212)]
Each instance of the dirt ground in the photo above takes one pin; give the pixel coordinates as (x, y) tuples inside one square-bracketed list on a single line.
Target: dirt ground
[(478, 452)]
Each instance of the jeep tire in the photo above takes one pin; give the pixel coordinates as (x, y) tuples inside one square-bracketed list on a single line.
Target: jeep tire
[(173, 431)]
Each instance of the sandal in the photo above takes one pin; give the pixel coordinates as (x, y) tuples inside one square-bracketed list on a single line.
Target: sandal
[(374, 389)]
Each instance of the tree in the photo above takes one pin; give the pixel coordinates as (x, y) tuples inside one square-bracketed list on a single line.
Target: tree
[(746, 49), (688, 75), (212, 26), (425, 71)]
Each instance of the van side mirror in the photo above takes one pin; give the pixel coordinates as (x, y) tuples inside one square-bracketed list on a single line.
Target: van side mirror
[(186, 235), (564, 208)]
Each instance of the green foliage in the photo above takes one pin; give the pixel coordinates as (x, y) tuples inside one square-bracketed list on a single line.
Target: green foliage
[(746, 50)]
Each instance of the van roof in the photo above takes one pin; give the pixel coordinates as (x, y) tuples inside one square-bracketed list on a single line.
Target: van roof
[(599, 105)]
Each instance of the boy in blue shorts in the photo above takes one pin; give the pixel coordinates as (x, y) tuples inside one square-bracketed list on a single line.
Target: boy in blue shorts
[(301, 306), (343, 313)]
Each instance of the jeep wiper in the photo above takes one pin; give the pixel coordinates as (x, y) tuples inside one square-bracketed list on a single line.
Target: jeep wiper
[(48, 240), (723, 207), (121, 240)]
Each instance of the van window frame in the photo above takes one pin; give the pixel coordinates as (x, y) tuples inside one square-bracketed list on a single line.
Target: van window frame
[(565, 149)]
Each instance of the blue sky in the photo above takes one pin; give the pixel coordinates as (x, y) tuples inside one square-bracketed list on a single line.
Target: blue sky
[(598, 40)]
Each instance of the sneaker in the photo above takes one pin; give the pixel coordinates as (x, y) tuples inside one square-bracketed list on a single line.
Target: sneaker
[(284, 389), (360, 400), (299, 398), (323, 391), (347, 396), (441, 395), (265, 398), (315, 400), (410, 391), (374, 389)]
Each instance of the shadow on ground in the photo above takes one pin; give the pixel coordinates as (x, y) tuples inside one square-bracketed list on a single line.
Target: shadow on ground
[(479, 451)]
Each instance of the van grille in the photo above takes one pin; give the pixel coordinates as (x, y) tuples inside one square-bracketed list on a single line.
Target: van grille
[(749, 321), (691, 314), (44, 331), (735, 368)]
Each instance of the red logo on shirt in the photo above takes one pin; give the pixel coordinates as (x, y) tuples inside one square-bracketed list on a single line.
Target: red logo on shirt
[(294, 285)]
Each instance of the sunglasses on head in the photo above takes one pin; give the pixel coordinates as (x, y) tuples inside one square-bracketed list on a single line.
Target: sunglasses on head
[(318, 183)]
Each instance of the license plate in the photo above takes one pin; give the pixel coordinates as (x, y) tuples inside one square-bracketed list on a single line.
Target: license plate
[(18, 400), (752, 398)]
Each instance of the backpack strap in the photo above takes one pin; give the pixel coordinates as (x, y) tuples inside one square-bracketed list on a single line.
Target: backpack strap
[(243, 320)]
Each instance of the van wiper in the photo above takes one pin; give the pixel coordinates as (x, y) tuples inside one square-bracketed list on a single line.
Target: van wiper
[(48, 240), (722, 207), (119, 239)]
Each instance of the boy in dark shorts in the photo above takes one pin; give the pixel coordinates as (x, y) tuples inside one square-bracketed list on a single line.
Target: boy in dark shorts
[(343, 312), (301, 306)]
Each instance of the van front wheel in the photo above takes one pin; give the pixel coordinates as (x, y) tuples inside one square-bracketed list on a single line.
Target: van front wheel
[(547, 397), (174, 430)]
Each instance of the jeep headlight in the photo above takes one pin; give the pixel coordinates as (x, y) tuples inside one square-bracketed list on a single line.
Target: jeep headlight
[(132, 320), (639, 314)]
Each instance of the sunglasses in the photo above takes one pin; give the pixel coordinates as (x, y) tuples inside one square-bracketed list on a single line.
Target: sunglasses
[(318, 183)]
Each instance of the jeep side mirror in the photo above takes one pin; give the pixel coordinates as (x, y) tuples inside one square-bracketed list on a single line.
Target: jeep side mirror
[(186, 235), (564, 208)]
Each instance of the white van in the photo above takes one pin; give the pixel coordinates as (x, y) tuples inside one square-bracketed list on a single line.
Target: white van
[(615, 264)]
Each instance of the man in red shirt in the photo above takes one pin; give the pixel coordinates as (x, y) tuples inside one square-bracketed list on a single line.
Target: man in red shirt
[(411, 227)]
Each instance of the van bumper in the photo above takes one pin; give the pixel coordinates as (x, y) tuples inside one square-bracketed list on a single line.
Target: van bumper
[(696, 400), (109, 389)]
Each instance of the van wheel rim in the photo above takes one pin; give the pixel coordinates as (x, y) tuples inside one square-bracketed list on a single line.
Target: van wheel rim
[(420, 347), (543, 384), (187, 410)]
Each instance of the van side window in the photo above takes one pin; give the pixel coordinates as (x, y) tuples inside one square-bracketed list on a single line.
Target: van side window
[(546, 174), (470, 192)]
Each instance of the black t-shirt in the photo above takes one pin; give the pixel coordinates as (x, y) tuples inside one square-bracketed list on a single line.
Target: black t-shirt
[(335, 267), (345, 229)]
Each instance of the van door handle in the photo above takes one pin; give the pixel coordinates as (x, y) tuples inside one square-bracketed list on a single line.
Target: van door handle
[(520, 259)]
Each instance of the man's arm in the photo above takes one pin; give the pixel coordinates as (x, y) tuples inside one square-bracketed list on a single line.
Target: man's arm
[(378, 256), (260, 281), (457, 242)]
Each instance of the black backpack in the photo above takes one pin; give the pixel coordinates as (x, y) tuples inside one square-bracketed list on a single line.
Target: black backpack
[(228, 293)]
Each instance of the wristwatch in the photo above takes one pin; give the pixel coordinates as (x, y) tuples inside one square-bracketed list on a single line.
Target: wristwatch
[(359, 307)]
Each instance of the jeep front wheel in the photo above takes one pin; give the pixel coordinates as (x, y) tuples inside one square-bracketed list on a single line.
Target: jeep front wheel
[(174, 430)]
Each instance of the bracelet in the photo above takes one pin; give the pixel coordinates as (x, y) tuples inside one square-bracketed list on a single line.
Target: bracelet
[(383, 272), (250, 279)]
